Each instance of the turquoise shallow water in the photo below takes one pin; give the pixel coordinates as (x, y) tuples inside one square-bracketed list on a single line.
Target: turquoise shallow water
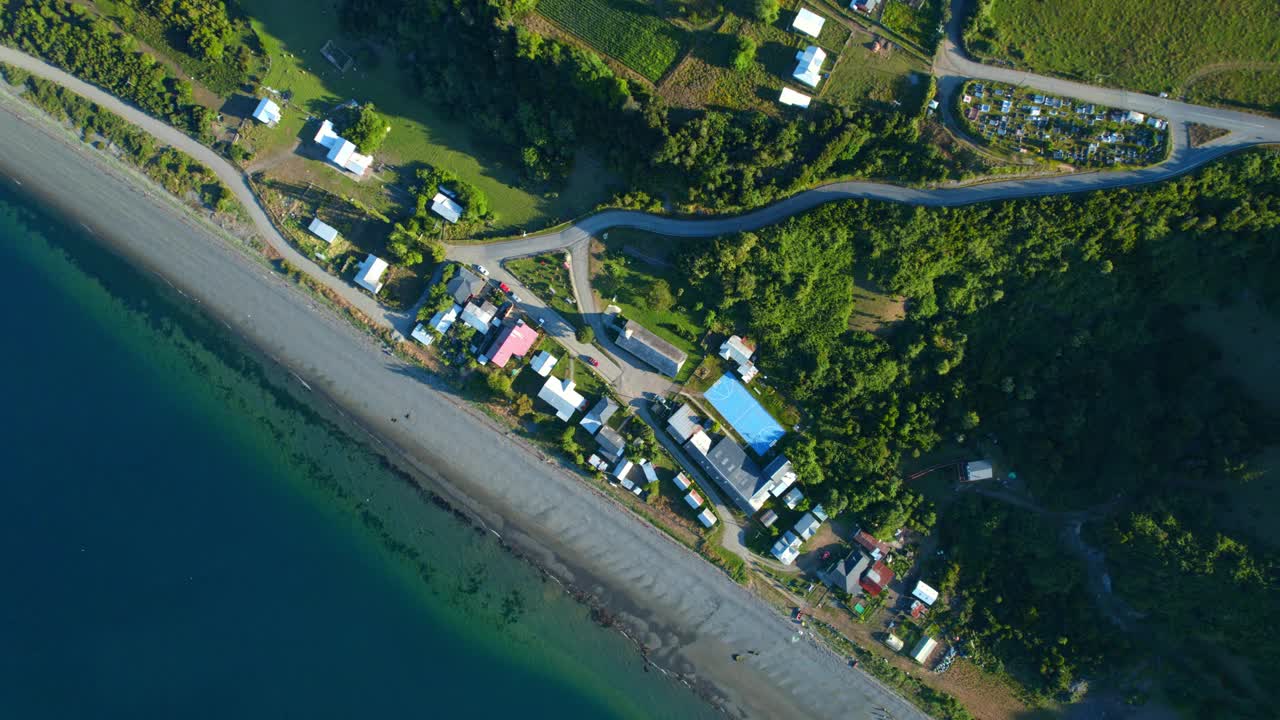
[(183, 539)]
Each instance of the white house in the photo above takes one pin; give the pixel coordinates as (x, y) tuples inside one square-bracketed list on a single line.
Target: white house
[(422, 335), (445, 207), (707, 518), (444, 319), (809, 65), (809, 23), (369, 274), (926, 594), (267, 112), (543, 362), (342, 152), (561, 396), (1135, 117), (796, 99), (323, 230), (694, 499)]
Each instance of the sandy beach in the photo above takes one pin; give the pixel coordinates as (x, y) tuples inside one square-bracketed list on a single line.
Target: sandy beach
[(688, 613)]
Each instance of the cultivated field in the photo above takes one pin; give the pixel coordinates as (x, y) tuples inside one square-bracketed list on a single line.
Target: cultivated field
[(1154, 46), (624, 29)]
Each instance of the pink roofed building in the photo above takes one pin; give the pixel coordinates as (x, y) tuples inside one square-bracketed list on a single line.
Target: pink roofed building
[(515, 340)]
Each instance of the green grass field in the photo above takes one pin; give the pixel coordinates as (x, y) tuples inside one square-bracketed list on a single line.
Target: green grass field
[(1160, 45), (864, 77), (546, 277), (628, 30), (419, 134), (918, 26)]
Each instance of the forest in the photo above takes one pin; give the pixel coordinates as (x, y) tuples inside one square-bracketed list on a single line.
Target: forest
[(1055, 327), (70, 37), (542, 99)]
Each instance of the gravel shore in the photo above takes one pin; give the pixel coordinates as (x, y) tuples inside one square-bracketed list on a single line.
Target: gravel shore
[(688, 613)]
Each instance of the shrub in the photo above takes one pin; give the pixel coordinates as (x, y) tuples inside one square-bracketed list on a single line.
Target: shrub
[(586, 335), (744, 54)]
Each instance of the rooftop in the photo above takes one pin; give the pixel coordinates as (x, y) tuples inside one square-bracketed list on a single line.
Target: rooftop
[(610, 441), (465, 285), (323, 230), (514, 340), (369, 274), (445, 207), (707, 518), (809, 65), (727, 463), (543, 362), (793, 98), (651, 349), (599, 415), (809, 23), (267, 112), (683, 423), (560, 394)]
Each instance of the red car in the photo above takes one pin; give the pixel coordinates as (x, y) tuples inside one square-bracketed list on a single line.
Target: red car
[(594, 362), (503, 287)]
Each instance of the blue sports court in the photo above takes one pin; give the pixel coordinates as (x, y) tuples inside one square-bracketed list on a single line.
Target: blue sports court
[(748, 417)]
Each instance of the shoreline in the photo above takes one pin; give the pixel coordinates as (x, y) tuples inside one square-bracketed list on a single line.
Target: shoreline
[(663, 594)]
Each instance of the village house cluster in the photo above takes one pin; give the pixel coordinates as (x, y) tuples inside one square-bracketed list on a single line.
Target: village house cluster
[(1017, 119)]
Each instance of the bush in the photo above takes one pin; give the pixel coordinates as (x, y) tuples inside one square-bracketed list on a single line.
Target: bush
[(368, 130), (499, 383), (659, 296), (765, 11), (744, 54), (586, 335)]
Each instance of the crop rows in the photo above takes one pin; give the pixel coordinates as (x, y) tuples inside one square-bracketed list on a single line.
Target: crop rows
[(624, 29)]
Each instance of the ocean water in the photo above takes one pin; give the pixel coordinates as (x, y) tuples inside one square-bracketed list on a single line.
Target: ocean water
[(183, 538)]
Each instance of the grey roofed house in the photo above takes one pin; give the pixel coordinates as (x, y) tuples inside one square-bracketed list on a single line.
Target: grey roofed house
[(727, 463), (597, 416), (610, 442), (650, 348), (464, 286), (978, 470), (683, 424), (846, 573)]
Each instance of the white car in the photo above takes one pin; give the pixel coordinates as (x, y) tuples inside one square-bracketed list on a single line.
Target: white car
[(482, 270)]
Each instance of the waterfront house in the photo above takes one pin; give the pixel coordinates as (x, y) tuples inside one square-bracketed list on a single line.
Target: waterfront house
[(599, 415), (422, 335), (846, 574), (369, 274), (561, 396), (444, 319), (787, 548), (611, 442)]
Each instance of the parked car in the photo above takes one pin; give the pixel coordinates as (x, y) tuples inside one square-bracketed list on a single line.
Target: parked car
[(482, 270), (594, 362), (504, 287)]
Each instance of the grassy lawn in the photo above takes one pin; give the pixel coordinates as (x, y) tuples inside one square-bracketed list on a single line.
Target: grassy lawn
[(1149, 46), (292, 41), (918, 26), (625, 266), (875, 310), (628, 30), (548, 278), (866, 76)]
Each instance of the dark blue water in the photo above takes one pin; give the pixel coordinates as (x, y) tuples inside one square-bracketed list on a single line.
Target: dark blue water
[(181, 538)]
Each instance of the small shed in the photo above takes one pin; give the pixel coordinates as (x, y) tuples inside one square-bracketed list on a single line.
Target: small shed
[(323, 230), (267, 112), (793, 498), (682, 482), (978, 470), (621, 469), (707, 518), (894, 643), (768, 518), (924, 593), (793, 98), (694, 499), (649, 473), (422, 335), (923, 650)]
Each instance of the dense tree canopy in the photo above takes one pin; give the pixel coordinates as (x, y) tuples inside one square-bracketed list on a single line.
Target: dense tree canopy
[(1054, 325)]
